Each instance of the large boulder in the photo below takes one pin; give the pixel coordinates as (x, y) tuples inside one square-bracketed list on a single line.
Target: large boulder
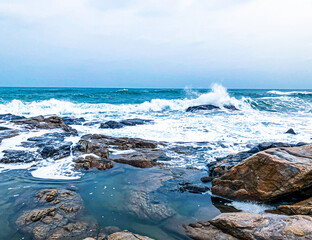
[(268, 175), (222, 165), (207, 107), (252, 226)]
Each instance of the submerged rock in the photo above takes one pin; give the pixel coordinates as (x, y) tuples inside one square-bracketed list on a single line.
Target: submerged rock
[(193, 188), (144, 206), (251, 226), (55, 214), (268, 175), (124, 123)]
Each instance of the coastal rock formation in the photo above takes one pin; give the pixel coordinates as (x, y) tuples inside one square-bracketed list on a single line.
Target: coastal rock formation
[(10, 117), (91, 161), (207, 107), (252, 226), (135, 152), (268, 175), (42, 122), (124, 123), (291, 131), (55, 214), (302, 208), (222, 165)]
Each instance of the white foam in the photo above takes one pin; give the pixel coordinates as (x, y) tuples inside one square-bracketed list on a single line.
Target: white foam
[(251, 206), (288, 93)]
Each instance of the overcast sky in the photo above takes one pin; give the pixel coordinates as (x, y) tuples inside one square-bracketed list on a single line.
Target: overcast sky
[(156, 43)]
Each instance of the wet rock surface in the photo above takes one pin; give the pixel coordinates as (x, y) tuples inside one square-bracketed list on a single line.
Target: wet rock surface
[(268, 175), (303, 208), (54, 214), (73, 121), (222, 165), (251, 226), (142, 153), (10, 117), (193, 188), (208, 107), (124, 123)]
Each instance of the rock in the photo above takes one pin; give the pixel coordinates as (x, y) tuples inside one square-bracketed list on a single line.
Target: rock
[(207, 107), (192, 188), (202, 107), (18, 156), (144, 206), (10, 117), (222, 165), (91, 123), (56, 151), (231, 107), (300, 208), (252, 226), (111, 229), (4, 128), (291, 131), (142, 153), (125, 235), (206, 179), (124, 123), (268, 175), (53, 214), (73, 121), (206, 231), (111, 124), (41, 122), (91, 161), (224, 205)]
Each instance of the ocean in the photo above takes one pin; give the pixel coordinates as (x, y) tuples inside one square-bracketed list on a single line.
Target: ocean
[(200, 137)]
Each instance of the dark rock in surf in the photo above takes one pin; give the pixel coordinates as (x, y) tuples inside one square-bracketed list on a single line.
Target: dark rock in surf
[(111, 124), (4, 128), (206, 179), (201, 107), (124, 123), (193, 188), (208, 107), (20, 156), (73, 121), (10, 117), (291, 131)]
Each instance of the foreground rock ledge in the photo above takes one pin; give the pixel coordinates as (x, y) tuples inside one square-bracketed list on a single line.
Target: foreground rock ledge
[(268, 175), (252, 226)]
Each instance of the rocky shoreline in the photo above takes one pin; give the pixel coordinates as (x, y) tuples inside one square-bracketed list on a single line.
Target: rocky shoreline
[(278, 173)]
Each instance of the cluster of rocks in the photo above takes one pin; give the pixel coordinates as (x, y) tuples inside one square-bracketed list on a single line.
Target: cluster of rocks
[(268, 173), (57, 214), (123, 123), (92, 150)]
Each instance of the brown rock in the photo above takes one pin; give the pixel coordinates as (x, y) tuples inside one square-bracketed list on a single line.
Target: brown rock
[(125, 235), (42, 122), (268, 175), (302, 208), (252, 226), (47, 195)]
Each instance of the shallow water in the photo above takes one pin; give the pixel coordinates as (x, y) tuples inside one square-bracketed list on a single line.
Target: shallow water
[(105, 193)]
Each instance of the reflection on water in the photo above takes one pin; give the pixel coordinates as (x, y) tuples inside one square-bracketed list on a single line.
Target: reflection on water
[(144, 201)]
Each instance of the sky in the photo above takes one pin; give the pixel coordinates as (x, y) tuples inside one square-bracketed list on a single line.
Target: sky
[(156, 43)]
